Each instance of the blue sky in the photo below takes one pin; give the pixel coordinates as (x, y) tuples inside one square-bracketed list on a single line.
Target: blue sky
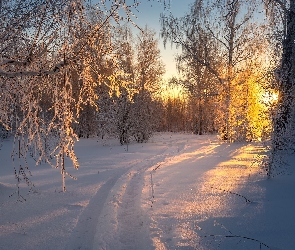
[(149, 14)]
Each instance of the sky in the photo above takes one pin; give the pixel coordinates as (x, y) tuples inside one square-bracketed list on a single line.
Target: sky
[(149, 14)]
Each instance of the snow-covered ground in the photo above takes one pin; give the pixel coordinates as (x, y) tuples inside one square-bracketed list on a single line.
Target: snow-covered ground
[(179, 191)]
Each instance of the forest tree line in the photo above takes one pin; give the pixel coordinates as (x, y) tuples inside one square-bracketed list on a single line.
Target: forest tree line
[(226, 69)]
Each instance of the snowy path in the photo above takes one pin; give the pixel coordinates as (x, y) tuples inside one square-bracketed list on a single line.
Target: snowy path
[(178, 191), (126, 220)]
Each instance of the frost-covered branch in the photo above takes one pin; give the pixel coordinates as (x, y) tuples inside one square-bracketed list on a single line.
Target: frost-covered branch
[(56, 69), (46, 49), (279, 3), (171, 30), (13, 62)]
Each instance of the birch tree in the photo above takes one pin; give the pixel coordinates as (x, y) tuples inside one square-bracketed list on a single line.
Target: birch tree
[(149, 70), (137, 75), (42, 45), (233, 40), (202, 88), (149, 66)]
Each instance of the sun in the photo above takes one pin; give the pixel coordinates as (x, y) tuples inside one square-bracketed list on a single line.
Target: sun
[(269, 97)]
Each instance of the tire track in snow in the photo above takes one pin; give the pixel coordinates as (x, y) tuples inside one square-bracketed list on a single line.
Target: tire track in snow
[(123, 224), (83, 235), (133, 222)]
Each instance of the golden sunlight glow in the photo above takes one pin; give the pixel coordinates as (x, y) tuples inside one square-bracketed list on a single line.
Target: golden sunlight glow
[(269, 97), (174, 92), (260, 102), (212, 196)]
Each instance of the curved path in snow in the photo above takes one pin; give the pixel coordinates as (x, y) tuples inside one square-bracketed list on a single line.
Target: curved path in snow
[(176, 192), (158, 201)]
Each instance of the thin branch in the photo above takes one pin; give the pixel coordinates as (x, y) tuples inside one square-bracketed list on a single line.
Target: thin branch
[(204, 63), (52, 71), (282, 5), (14, 62), (219, 40), (195, 57), (58, 66), (97, 28)]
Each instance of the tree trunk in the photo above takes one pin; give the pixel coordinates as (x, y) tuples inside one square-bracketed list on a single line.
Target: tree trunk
[(232, 15), (283, 119)]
